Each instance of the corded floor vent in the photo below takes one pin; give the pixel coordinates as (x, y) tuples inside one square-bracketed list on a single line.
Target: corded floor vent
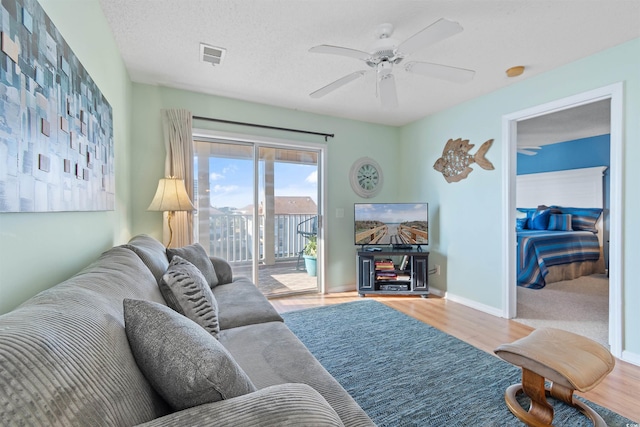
[(211, 54)]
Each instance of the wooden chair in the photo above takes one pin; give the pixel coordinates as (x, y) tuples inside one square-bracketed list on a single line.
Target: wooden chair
[(569, 361)]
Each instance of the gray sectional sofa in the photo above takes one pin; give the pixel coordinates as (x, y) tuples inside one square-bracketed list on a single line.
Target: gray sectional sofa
[(74, 355)]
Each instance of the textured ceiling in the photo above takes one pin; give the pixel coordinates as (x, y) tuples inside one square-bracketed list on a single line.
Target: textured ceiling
[(268, 59), (567, 125)]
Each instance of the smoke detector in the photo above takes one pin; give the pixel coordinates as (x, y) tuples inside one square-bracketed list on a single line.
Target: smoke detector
[(515, 71), (212, 54)]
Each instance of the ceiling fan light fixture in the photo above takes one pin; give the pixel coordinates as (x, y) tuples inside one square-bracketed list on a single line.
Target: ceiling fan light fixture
[(384, 68), (385, 52), (515, 71)]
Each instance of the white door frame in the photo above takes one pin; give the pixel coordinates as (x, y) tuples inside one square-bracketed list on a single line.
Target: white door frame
[(613, 92)]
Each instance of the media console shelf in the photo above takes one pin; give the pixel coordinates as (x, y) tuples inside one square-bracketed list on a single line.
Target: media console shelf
[(393, 271)]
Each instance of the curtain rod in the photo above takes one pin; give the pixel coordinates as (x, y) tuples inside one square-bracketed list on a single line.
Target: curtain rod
[(209, 119)]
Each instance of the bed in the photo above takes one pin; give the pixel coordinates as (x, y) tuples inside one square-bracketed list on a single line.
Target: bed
[(568, 242), (539, 250)]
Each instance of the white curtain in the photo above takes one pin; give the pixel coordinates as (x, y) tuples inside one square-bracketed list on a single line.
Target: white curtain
[(178, 142)]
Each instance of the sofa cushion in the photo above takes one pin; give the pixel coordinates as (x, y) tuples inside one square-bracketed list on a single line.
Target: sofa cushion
[(280, 405), (151, 252), (68, 345), (271, 354), (241, 303), (185, 364), (197, 256), (186, 291), (223, 270)]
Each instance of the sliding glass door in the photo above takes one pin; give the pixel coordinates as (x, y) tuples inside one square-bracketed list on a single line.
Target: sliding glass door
[(258, 208)]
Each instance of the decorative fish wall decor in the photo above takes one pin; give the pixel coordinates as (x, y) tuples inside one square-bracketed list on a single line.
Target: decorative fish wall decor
[(455, 160)]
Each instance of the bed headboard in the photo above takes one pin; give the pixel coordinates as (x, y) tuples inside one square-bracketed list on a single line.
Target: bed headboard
[(578, 188)]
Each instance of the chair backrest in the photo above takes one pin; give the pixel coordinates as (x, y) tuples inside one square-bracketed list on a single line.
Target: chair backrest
[(307, 231)]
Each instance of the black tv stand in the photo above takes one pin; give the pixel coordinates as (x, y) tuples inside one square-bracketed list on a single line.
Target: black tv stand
[(393, 271), (403, 246)]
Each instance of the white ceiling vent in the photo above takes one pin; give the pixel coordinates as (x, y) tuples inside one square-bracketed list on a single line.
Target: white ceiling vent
[(211, 54)]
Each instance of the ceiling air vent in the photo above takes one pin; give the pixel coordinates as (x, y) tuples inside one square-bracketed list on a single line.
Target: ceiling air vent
[(211, 54)]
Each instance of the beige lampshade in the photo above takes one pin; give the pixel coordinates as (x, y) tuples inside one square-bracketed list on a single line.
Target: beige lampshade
[(171, 195)]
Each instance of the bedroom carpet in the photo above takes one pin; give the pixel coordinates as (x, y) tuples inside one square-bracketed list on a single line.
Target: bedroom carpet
[(580, 306), (404, 372)]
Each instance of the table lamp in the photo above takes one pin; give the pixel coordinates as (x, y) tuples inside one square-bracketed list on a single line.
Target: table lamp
[(171, 196)]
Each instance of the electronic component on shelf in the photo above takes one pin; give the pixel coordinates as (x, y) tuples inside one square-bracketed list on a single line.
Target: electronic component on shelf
[(394, 287)]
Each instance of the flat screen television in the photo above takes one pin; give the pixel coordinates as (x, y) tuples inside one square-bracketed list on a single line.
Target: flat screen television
[(397, 224)]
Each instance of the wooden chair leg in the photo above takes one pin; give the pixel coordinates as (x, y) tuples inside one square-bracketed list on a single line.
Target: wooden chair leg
[(565, 395), (540, 412), (561, 393), (595, 418), (533, 386)]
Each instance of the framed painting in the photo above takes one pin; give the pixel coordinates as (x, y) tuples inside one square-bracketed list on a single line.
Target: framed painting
[(56, 129)]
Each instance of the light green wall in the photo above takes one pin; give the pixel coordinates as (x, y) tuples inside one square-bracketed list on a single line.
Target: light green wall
[(352, 140), (466, 224), (38, 250)]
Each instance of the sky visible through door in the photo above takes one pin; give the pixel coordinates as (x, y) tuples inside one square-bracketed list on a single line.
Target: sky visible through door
[(231, 183)]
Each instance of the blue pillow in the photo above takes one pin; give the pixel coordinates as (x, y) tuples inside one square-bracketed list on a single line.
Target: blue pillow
[(561, 222), (582, 218), (521, 224), (540, 220)]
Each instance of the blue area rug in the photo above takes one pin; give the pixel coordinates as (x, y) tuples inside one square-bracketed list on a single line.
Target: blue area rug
[(404, 372)]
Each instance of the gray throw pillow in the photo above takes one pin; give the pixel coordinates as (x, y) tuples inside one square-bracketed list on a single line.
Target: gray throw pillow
[(197, 256), (151, 252), (186, 291), (181, 361)]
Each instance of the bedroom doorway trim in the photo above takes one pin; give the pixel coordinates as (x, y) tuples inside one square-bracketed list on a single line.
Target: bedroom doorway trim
[(613, 92)]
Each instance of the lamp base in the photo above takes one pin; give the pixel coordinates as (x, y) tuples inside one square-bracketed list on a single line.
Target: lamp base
[(169, 216)]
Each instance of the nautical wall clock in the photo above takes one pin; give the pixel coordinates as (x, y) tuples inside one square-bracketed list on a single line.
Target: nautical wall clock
[(366, 177)]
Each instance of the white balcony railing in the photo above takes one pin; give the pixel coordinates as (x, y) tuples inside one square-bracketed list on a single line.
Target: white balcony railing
[(231, 236)]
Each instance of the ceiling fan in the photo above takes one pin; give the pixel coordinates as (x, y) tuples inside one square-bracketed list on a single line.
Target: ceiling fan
[(528, 150), (386, 52)]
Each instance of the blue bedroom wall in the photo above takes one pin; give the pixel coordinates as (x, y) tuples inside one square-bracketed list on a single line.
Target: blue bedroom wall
[(579, 153)]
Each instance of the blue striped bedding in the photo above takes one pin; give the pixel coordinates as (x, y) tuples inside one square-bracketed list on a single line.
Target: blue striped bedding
[(539, 249)]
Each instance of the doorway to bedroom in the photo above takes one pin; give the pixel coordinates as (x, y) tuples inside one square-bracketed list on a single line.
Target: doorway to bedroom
[(580, 134)]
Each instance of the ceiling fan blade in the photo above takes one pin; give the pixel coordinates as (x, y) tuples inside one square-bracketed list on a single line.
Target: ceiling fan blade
[(342, 51), (527, 152), (444, 72), (387, 89), (337, 84), (529, 147), (439, 30)]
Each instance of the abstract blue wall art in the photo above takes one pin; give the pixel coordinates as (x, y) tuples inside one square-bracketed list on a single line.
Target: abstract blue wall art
[(56, 127)]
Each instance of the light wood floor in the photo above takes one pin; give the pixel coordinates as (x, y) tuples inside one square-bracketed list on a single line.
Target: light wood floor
[(620, 390)]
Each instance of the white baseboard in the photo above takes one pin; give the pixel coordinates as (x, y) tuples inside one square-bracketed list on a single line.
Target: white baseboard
[(343, 288), (437, 292), (633, 358), (474, 304)]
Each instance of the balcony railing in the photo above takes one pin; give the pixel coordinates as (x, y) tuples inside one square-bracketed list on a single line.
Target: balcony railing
[(231, 236)]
